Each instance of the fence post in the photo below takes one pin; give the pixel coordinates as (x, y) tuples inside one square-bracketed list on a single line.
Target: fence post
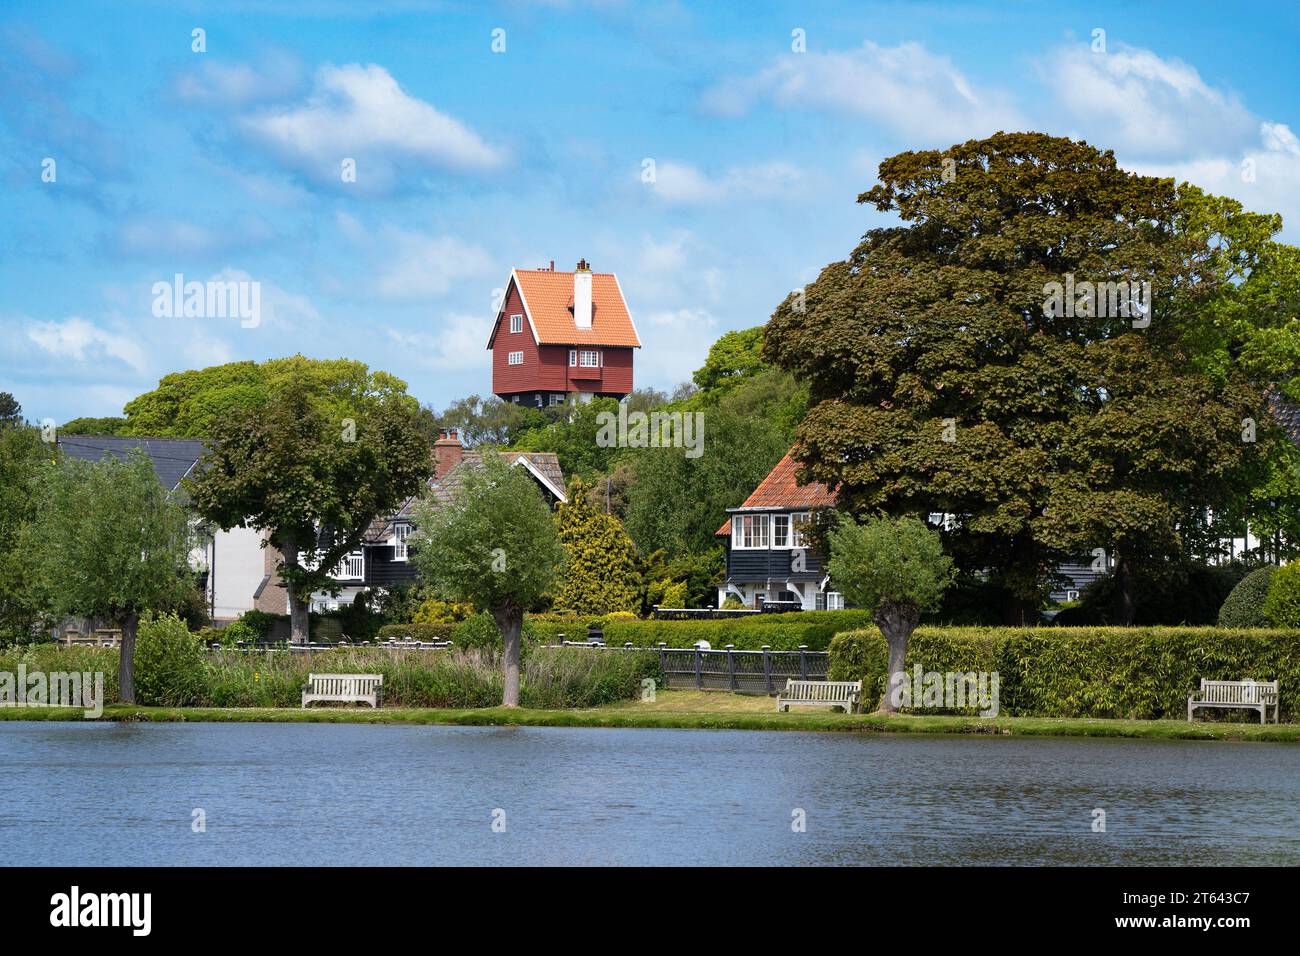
[(663, 662), (767, 668), (731, 667), (803, 662), (699, 682)]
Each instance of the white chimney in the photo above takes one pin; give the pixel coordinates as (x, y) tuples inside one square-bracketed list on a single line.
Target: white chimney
[(582, 295)]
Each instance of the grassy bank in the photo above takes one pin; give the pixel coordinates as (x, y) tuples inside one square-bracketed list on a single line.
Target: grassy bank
[(697, 710)]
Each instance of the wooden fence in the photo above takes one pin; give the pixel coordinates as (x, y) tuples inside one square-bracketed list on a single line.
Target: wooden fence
[(745, 672)]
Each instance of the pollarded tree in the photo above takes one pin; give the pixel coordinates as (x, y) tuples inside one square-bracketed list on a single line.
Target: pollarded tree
[(495, 546), (600, 572), (313, 481), (897, 569), (948, 372), (107, 541)]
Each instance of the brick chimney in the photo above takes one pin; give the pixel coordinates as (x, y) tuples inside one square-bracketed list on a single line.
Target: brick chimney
[(447, 452), (582, 295)]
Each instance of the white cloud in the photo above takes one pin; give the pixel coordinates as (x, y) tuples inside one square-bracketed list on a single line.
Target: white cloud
[(361, 113), (460, 345), (684, 184), (215, 85), (1134, 100), (407, 265), (151, 238), (77, 340), (906, 88)]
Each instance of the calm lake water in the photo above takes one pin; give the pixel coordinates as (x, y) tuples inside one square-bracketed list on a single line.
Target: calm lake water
[(326, 794)]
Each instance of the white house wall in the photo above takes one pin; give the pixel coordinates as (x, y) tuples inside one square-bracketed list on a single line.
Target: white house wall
[(235, 572)]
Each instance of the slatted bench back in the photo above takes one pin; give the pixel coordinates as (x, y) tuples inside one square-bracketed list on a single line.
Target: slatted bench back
[(1238, 692), (344, 685), (822, 691)]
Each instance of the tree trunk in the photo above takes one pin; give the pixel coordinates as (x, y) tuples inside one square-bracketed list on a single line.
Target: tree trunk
[(896, 622), (299, 622), (510, 620), (126, 659), (1122, 607)]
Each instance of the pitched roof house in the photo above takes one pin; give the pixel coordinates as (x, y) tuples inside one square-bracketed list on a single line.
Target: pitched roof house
[(562, 333), (767, 558), (383, 560)]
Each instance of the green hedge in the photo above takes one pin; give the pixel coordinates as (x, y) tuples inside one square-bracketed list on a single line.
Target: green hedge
[(1139, 673), (782, 632), (1244, 606)]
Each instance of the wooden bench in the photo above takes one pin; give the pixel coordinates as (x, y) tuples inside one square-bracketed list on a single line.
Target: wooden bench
[(345, 688), (1243, 694), (820, 693)]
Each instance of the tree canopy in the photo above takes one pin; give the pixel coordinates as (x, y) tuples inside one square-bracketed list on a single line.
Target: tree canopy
[(944, 378)]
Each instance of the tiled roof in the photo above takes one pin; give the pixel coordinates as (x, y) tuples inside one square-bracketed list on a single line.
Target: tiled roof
[(172, 458), (544, 463), (548, 299), (781, 489), (1285, 413)]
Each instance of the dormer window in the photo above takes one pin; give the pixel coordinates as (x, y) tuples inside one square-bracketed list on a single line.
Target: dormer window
[(401, 531), (516, 323)]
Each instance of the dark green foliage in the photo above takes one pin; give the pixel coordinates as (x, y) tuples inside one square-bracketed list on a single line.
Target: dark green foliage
[(1282, 604), (1140, 673), (1174, 594), (1244, 606), (783, 632), (168, 663)]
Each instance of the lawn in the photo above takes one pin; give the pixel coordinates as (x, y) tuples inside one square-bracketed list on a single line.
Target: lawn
[(715, 710)]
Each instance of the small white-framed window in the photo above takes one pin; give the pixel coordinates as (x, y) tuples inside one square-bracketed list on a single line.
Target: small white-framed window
[(515, 358), (573, 357), (749, 532), (798, 525), (780, 531), (516, 323), (556, 399), (589, 359), (829, 601), (401, 531), (515, 399)]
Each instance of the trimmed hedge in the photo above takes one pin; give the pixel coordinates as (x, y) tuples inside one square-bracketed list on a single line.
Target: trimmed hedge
[(1244, 606), (1282, 605), (783, 632), (1136, 673)]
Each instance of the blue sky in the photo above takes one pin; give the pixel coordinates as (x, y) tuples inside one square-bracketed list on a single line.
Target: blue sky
[(226, 163)]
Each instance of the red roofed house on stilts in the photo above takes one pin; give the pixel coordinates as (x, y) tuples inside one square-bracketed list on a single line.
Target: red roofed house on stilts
[(559, 334)]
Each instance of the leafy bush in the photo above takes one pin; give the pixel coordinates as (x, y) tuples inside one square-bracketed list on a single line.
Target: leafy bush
[(168, 663), (783, 632), (417, 632), (733, 603), (1244, 606), (1142, 673), (1282, 605), (434, 611), (261, 622)]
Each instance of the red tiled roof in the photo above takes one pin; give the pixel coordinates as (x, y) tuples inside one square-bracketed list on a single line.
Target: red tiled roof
[(548, 300), (781, 489)]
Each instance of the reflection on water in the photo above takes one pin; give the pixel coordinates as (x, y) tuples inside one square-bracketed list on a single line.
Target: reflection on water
[(330, 794)]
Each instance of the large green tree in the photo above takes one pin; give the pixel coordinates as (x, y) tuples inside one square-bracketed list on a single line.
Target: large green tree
[(600, 573), (21, 455), (107, 541), (313, 480), (946, 377), (495, 546)]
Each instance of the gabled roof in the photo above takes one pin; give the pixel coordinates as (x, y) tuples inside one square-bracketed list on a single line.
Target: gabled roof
[(172, 458), (548, 305), (781, 490), (544, 466)]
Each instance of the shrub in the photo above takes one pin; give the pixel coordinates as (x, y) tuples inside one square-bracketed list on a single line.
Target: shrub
[(674, 594), (1142, 673), (261, 622), (429, 632), (733, 603), (434, 611), (1244, 606), (1189, 595), (168, 663), (1282, 604)]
